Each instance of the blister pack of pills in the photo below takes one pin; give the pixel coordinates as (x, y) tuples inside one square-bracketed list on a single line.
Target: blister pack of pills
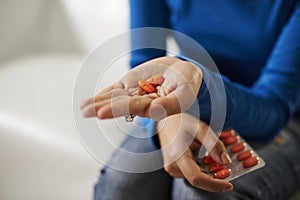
[(244, 158)]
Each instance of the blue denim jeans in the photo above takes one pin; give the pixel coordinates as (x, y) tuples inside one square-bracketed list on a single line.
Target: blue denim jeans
[(277, 180)]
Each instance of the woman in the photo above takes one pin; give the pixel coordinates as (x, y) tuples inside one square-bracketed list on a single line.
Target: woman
[(256, 46)]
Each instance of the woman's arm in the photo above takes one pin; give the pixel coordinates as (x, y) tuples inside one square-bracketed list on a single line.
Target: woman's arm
[(262, 110), (256, 112), (147, 13)]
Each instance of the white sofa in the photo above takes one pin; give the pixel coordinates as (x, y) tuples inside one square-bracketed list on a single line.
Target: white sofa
[(43, 44)]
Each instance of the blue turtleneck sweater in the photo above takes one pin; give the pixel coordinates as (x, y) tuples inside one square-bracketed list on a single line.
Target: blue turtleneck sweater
[(254, 43)]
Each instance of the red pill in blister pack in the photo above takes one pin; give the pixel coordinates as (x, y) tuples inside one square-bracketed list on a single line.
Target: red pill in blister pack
[(250, 162), (207, 160), (231, 140), (223, 173), (226, 134), (244, 155), (238, 147), (244, 158), (215, 167)]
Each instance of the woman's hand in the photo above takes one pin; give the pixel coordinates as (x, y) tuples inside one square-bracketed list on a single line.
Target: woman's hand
[(175, 95), (180, 135)]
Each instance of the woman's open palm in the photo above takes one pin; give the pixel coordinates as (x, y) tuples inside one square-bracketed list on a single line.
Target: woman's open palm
[(176, 94)]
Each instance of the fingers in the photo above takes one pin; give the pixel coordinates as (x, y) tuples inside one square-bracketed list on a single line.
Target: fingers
[(192, 172), (124, 105), (173, 171), (220, 154), (118, 106), (175, 102), (181, 93), (212, 144), (117, 102), (163, 106), (91, 105), (104, 95), (186, 167), (179, 160), (176, 95)]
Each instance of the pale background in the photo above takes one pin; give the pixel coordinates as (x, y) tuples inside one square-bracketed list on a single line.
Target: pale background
[(42, 46)]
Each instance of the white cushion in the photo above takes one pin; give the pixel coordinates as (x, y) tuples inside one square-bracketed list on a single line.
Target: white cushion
[(41, 155)]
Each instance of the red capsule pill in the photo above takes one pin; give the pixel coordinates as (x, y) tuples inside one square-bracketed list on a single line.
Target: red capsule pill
[(231, 140), (238, 147), (147, 87), (244, 155), (207, 160), (215, 167), (150, 84), (250, 162), (223, 173), (225, 134)]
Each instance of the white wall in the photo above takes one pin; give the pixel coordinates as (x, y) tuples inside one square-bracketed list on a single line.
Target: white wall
[(35, 26), (42, 46)]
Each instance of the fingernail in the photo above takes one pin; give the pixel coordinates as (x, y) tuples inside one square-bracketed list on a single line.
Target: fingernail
[(226, 189), (83, 104), (225, 158)]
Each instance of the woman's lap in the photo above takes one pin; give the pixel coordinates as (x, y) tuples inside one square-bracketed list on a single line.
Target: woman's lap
[(279, 178), (115, 184)]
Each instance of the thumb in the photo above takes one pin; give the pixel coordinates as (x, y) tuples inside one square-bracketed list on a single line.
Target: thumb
[(212, 144), (219, 153), (163, 106)]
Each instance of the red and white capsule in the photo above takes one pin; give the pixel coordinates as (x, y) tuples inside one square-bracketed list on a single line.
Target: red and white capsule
[(250, 162), (223, 173), (238, 147), (225, 134), (244, 155), (147, 87), (207, 160), (150, 84), (215, 167), (231, 140)]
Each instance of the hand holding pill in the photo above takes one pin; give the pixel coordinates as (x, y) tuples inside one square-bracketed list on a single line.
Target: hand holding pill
[(150, 84), (244, 158), (155, 89), (180, 135)]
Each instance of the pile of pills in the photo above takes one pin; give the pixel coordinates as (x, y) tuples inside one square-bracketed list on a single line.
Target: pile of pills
[(244, 158), (150, 84)]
